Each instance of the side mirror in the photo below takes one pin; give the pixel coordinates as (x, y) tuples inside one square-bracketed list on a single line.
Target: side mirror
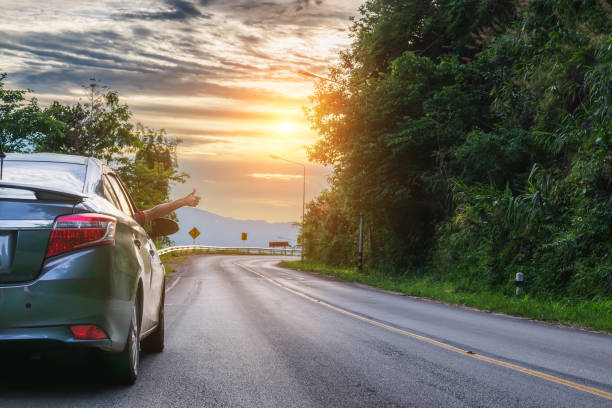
[(161, 227)]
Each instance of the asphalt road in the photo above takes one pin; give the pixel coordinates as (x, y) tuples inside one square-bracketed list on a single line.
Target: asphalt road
[(241, 332)]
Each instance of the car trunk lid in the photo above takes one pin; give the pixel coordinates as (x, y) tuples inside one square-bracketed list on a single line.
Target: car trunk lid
[(27, 214)]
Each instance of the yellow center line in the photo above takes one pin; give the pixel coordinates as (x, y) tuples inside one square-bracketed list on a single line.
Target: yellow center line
[(535, 373)]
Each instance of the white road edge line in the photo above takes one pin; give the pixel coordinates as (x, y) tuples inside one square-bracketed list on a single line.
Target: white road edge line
[(173, 284)]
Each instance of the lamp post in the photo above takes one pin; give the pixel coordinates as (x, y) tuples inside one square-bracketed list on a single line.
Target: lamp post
[(360, 247), (303, 195)]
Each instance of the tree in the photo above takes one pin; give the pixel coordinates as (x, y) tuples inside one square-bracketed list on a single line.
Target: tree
[(22, 121), (474, 137), (100, 127), (151, 171)]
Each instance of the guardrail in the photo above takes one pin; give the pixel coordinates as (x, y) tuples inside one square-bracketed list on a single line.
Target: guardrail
[(245, 250)]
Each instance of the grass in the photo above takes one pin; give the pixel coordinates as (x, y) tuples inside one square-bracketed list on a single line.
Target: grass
[(170, 260), (169, 269), (593, 314)]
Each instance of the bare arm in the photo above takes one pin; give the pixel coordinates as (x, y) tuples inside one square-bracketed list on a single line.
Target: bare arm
[(161, 210)]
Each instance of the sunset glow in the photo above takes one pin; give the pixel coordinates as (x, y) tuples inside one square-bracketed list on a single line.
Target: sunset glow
[(220, 75), (286, 128)]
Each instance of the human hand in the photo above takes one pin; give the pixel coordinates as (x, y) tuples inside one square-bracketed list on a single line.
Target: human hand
[(192, 199)]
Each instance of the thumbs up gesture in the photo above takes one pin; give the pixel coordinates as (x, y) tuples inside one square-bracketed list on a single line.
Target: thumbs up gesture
[(192, 199)]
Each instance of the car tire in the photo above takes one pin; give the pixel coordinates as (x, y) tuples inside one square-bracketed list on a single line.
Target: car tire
[(125, 364), (154, 342)]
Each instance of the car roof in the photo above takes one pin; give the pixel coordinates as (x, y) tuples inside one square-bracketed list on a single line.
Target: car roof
[(47, 157)]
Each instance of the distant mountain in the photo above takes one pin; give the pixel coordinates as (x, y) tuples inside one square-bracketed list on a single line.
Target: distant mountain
[(224, 231)]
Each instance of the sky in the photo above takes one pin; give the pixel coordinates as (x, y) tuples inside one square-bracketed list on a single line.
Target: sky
[(219, 74)]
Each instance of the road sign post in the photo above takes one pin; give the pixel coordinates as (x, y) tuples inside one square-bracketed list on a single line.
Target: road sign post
[(279, 244), (276, 244), (194, 234)]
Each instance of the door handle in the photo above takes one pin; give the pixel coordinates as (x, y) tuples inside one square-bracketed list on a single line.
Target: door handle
[(137, 243)]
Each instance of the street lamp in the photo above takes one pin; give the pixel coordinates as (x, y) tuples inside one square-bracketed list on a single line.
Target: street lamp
[(303, 195), (311, 75)]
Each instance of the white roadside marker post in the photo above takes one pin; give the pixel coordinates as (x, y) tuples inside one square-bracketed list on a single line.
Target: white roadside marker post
[(519, 283)]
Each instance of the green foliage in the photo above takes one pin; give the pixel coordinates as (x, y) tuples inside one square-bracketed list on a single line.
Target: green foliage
[(22, 121), (327, 235), (474, 138), (151, 172), (99, 127)]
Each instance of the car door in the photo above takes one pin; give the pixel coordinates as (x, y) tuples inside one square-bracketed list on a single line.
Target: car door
[(157, 275), (142, 246)]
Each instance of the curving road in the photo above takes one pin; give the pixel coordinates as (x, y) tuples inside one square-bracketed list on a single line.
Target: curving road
[(241, 332)]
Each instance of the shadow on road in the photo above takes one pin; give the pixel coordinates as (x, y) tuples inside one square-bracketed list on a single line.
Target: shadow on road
[(76, 372)]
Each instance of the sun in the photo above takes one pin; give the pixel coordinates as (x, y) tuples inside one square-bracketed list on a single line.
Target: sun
[(286, 127)]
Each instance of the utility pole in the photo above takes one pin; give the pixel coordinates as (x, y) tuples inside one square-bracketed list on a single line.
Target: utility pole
[(360, 260), (2, 157)]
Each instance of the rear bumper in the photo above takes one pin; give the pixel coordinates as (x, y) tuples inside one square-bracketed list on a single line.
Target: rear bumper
[(36, 338), (80, 288)]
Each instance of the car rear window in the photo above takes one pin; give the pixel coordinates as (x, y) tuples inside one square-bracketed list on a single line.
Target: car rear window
[(52, 175)]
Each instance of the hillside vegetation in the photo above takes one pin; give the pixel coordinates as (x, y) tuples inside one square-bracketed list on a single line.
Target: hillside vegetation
[(474, 138)]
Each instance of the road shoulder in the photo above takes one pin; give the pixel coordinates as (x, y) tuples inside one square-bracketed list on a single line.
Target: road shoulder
[(552, 313)]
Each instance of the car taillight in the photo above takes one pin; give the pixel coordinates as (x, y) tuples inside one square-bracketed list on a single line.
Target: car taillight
[(77, 231), (88, 332)]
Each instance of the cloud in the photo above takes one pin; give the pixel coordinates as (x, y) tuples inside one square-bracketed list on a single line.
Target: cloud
[(180, 10), (275, 176), (250, 39), (166, 51), (239, 195), (190, 133), (270, 203), (217, 73), (253, 5), (54, 62), (302, 4), (204, 112), (142, 32), (191, 141)]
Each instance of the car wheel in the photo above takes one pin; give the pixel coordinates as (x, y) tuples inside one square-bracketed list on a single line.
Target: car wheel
[(155, 341), (125, 364)]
